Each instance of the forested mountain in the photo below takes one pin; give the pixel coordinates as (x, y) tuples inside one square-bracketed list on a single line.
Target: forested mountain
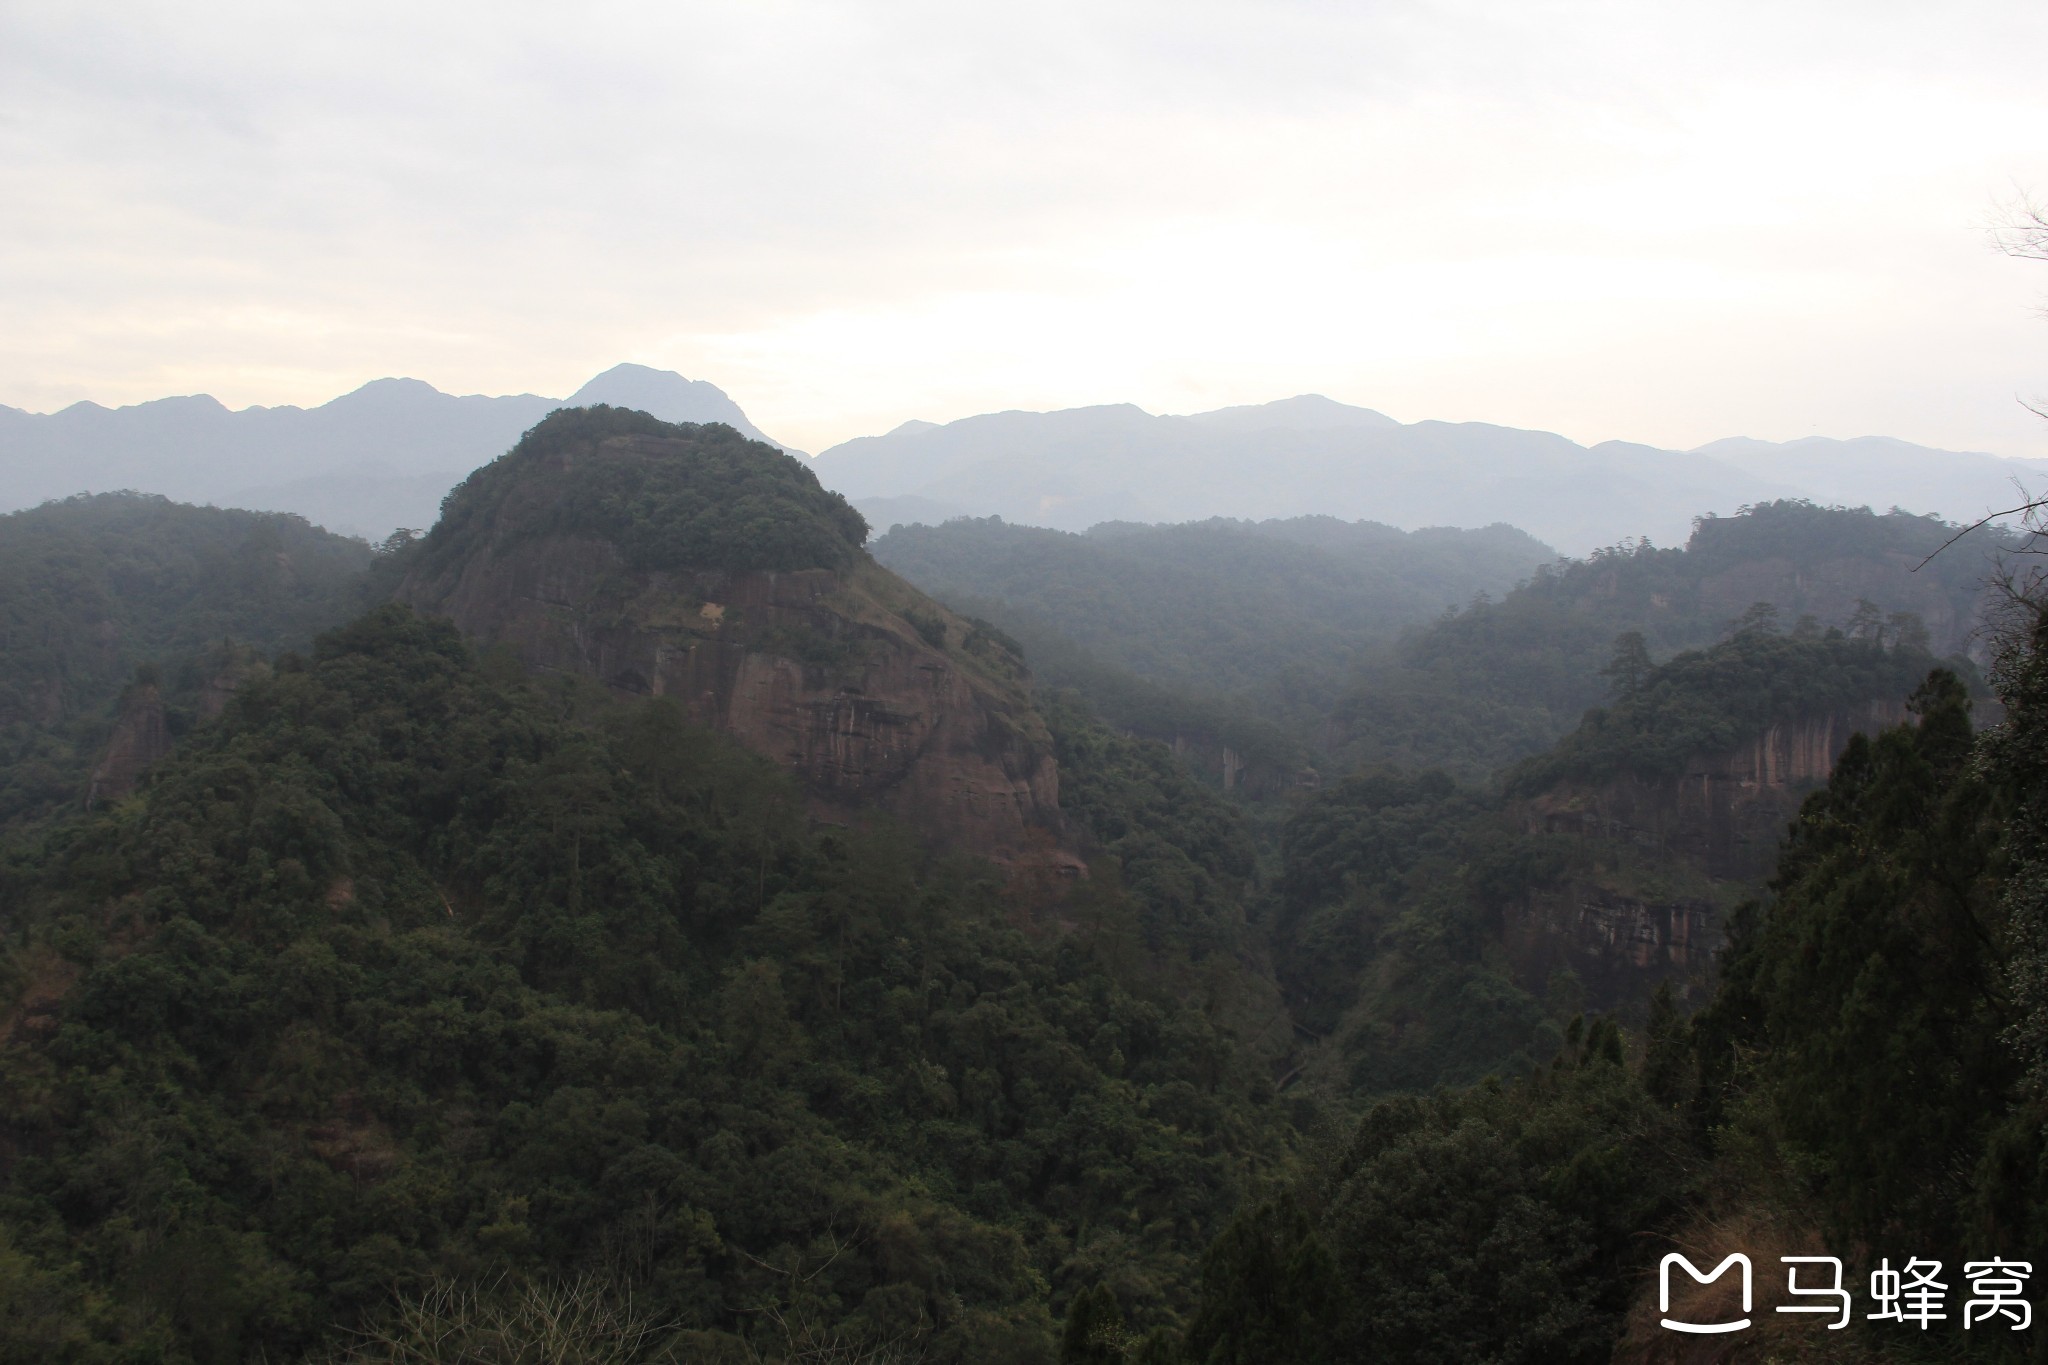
[(1339, 645), (1503, 680), (1075, 468), (1440, 933), (685, 561), (1859, 1086), (403, 966), (627, 959), (401, 969), (92, 588)]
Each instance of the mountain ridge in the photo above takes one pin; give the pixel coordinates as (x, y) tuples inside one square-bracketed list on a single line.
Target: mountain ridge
[(1312, 455), (382, 455), (365, 462)]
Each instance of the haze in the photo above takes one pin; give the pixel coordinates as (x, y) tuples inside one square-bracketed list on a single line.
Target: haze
[(1667, 224)]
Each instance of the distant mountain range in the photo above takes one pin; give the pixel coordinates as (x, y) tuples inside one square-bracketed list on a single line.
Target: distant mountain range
[(1310, 455), (385, 455), (365, 463)]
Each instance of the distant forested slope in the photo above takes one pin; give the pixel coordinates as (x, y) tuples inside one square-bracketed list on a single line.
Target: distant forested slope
[(1398, 893), (1350, 644), (1503, 680), (1274, 614), (93, 587)]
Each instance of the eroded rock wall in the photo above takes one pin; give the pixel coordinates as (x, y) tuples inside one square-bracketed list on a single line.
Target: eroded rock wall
[(141, 737), (1617, 944), (1717, 826), (871, 695), (1726, 812)]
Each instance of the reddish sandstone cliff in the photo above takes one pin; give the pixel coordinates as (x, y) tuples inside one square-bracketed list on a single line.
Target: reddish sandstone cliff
[(872, 695), (1677, 850), (141, 737), (1726, 812)]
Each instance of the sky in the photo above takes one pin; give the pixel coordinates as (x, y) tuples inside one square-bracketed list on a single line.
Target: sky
[(1661, 222)]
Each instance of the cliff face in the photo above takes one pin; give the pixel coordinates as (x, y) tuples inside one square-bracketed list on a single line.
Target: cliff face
[(871, 694), (1617, 944), (141, 737), (1726, 812), (1713, 829), (1210, 756)]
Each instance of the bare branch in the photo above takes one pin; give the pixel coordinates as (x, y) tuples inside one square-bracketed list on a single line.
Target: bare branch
[(2021, 229), (2024, 508)]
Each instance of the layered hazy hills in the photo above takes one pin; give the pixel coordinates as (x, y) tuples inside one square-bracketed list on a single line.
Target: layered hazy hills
[(1350, 643), (384, 456), (365, 463), (1206, 632), (1310, 455)]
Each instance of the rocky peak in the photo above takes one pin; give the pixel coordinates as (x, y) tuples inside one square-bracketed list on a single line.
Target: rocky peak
[(689, 562)]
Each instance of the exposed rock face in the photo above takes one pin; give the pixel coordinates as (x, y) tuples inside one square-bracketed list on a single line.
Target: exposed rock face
[(871, 694), (1723, 817), (1210, 756), (1726, 812), (1615, 943), (141, 737)]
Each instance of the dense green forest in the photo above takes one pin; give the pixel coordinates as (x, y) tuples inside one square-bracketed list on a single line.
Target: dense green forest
[(1863, 1083), (404, 969), (1706, 701), (696, 495), (93, 587), (414, 1008), (1339, 645)]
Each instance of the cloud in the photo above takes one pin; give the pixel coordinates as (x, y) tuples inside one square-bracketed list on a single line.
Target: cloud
[(1660, 222)]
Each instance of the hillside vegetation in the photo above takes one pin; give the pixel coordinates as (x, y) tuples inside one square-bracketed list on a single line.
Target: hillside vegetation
[(414, 1005), (1244, 623), (668, 495), (1708, 701), (91, 588), (1863, 1083), (1503, 680), (399, 970), (1346, 645)]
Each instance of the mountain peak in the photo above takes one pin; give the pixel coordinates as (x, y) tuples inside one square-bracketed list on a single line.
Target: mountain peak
[(386, 393), (669, 396), (1303, 412), (666, 495)]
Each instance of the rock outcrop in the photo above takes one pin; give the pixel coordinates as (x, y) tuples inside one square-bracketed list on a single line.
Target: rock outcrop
[(141, 737), (872, 695), (1713, 829), (1726, 812), (1616, 944)]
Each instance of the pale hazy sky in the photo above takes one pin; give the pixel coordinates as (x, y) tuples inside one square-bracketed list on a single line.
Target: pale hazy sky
[(1657, 222)]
